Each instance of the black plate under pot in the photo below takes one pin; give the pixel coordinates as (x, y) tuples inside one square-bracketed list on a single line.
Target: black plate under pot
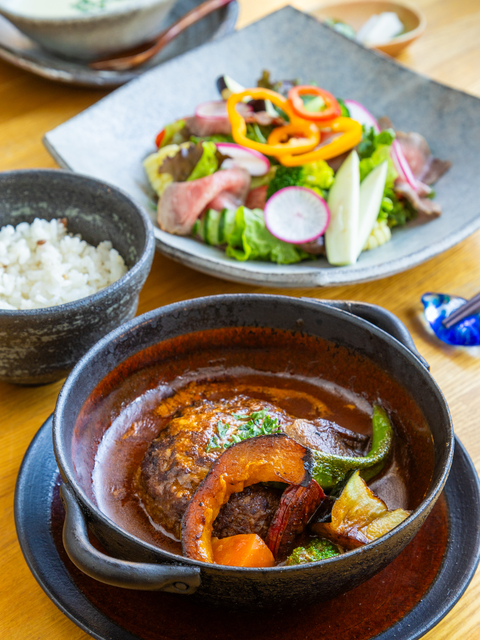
[(39, 533)]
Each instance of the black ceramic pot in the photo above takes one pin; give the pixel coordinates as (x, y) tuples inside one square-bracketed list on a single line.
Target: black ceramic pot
[(364, 330)]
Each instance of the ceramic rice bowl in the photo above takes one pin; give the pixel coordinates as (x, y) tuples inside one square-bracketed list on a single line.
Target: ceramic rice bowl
[(41, 345)]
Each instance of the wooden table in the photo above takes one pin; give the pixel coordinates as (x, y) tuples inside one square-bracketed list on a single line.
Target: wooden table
[(449, 51)]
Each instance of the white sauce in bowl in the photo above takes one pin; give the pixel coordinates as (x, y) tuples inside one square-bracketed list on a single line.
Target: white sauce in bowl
[(66, 8)]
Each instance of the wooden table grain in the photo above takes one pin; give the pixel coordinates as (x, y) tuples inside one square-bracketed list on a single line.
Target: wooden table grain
[(449, 51)]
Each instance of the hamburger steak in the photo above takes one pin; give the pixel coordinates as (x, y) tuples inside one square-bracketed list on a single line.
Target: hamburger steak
[(182, 454)]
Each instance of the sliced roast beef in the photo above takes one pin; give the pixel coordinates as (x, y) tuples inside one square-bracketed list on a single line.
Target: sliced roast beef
[(423, 189), (336, 163), (434, 170), (220, 125), (257, 198), (424, 166), (183, 202), (426, 209), (226, 200), (264, 119), (315, 248), (202, 127)]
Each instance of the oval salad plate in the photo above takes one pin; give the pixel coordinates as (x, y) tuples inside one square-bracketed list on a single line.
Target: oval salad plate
[(19, 50), (111, 139)]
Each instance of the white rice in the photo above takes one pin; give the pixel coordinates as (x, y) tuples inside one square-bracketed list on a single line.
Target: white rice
[(41, 265)]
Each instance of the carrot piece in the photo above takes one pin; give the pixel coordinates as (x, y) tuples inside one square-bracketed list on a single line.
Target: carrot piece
[(243, 550)]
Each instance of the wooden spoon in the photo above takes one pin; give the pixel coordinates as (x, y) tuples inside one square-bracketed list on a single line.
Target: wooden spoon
[(128, 60)]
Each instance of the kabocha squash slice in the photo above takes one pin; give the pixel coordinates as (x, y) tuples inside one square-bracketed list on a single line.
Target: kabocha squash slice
[(275, 458)]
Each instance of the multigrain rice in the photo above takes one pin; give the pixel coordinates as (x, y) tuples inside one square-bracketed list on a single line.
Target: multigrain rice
[(41, 265)]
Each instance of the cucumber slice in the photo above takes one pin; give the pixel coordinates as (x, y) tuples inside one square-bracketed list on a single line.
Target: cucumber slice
[(371, 194), (226, 224), (196, 229), (212, 220), (341, 236)]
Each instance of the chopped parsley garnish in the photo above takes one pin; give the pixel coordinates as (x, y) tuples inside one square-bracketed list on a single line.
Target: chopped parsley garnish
[(259, 423), (212, 444)]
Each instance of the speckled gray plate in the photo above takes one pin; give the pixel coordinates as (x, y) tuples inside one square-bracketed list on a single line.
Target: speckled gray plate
[(26, 54), (110, 139)]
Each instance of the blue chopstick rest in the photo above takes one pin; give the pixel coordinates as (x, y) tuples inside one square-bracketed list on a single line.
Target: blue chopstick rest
[(437, 306)]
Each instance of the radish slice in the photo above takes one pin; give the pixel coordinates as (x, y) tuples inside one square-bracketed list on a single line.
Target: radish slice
[(215, 110), (401, 165), (361, 115), (296, 215), (253, 161)]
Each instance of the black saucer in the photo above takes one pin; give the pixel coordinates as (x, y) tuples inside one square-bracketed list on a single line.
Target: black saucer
[(37, 486)]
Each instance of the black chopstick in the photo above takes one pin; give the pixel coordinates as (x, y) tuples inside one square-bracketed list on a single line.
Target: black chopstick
[(470, 308)]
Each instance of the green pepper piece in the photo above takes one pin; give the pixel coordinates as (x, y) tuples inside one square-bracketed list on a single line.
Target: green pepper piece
[(330, 469)]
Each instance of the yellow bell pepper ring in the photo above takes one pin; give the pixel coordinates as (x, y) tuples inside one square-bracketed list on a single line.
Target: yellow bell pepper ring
[(352, 135), (288, 134), (302, 136)]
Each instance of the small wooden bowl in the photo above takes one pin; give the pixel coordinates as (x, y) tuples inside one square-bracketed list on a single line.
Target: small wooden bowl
[(357, 12)]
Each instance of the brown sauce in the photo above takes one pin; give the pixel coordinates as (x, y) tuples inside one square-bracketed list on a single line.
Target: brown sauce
[(305, 376)]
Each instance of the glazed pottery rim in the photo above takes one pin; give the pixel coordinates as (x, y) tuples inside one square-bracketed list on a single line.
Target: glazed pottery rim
[(144, 256), (402, 37), (133, 6), (432, 494)]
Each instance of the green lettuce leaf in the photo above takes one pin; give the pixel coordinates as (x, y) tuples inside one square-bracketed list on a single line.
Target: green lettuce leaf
[(381, 153), (175, 133), (208, 162), (345, 111), (217, 137), (251, 240)]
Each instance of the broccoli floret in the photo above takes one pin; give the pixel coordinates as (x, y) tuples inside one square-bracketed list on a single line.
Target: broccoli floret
[(394, 210), (284, 177), (314, 175), (316, 550)]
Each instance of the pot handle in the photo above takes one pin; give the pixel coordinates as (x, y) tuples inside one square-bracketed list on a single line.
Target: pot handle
[(382, 319), (119, 573)]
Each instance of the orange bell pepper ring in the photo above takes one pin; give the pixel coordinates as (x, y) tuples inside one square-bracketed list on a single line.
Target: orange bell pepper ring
[(332, 108), (352, 135), (301, 135)]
